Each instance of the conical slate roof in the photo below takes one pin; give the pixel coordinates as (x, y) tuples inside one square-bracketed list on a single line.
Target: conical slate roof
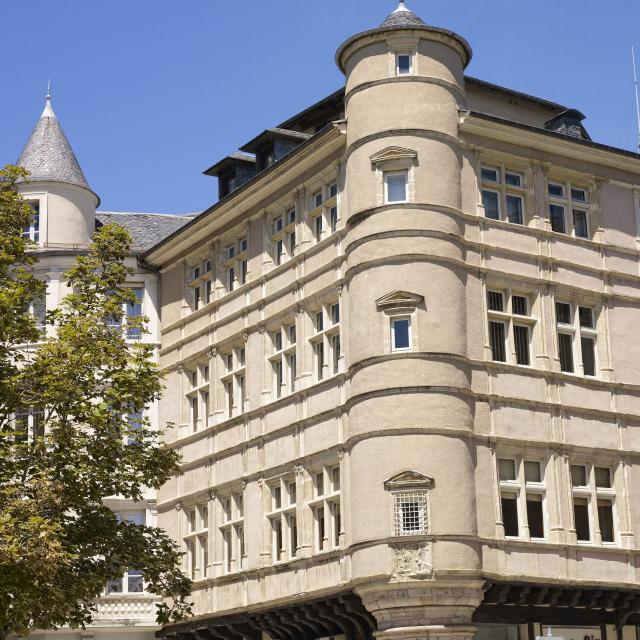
[(402, 17), (48, 156)]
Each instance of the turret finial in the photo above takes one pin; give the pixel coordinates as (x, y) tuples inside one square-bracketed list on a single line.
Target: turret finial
[(48, 109), (401, 7)]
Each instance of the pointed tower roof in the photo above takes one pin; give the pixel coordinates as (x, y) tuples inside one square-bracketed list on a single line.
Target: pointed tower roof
[(402, 17), (48, 156)]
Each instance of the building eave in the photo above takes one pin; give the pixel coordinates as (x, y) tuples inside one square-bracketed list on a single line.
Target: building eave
[(245, 197), (525, 135)]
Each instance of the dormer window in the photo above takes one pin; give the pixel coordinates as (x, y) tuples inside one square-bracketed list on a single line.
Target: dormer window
[(403, 64)]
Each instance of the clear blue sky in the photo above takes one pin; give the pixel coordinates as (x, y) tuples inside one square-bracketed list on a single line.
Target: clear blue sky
[(152, 92)]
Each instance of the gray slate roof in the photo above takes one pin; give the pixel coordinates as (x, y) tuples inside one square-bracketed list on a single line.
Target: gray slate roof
[(48, 156), (146, 229), (402, 17)]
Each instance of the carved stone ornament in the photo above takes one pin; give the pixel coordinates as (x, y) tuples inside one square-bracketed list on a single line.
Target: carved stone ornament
[(412, 560)]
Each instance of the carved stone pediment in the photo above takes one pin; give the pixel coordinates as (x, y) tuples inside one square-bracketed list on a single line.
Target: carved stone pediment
[(412, 480), (390, 154), (399, 300)]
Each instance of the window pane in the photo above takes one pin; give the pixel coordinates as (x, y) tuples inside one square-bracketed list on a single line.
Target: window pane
[(520, 305), (396, 187), (134, 581), (605, 516), (404, 64), (401, 334), (578, 475), (581, 517), (490, 201), (556, 190), (565, 352), (495, 301), (514, 209), (490, 174), (410, 517), (586, 317), (513, 179), (506, 469), (532, 471), (556, 216), (510, 515), (496, 340), (580, 223), (535, 516), (588, 356), (563, 313), (521, 339), (579, 194), (603, 477)]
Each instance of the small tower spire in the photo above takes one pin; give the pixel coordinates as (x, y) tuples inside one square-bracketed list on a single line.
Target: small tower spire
[(401, 7)]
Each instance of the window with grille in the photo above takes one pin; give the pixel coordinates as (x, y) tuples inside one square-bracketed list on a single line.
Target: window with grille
[(410, 513)]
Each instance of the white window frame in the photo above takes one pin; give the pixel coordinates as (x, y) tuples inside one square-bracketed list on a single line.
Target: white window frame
[(404, 54), (389, 174), (32, 232), (576, 331), (510, 320), (196, 541), (235, 262), (570, 205), (200, 283), (592, 494), (130, 515), (503, 190), (523, 488), (234, 379), (282, 231), (400, 318)]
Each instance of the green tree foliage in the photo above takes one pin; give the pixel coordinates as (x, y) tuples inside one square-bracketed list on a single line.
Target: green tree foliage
[(76, 447)]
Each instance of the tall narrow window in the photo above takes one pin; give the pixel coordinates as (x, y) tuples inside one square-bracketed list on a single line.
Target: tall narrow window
[(282, 519), (326, 341), (401, 334), (232, 530), (403, 64), (577, 338), (32, 232), (134, 313)]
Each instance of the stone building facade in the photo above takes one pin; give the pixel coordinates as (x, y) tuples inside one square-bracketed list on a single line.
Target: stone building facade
[(64, 222), (401, 368)]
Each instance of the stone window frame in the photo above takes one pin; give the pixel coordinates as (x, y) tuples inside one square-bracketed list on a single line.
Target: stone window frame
[(403, 45), (409, 487), (234, 261), (391, 160), (282, 512), (523, 489), (509, 320), (196, 540), (328, 338), (327, 501), (282, 233), (571, 184), (199, 282), (504, 190), (593, 493), (283, 354), (34, 231), (323, 211), (125, 581), (396, 305), (231, 530), (577, 332)]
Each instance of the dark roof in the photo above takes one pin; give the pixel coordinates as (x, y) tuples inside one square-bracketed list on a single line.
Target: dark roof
[(146, 229), (229, 161), (270, 134), (402, 17), (48, 156), (318, 114)]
